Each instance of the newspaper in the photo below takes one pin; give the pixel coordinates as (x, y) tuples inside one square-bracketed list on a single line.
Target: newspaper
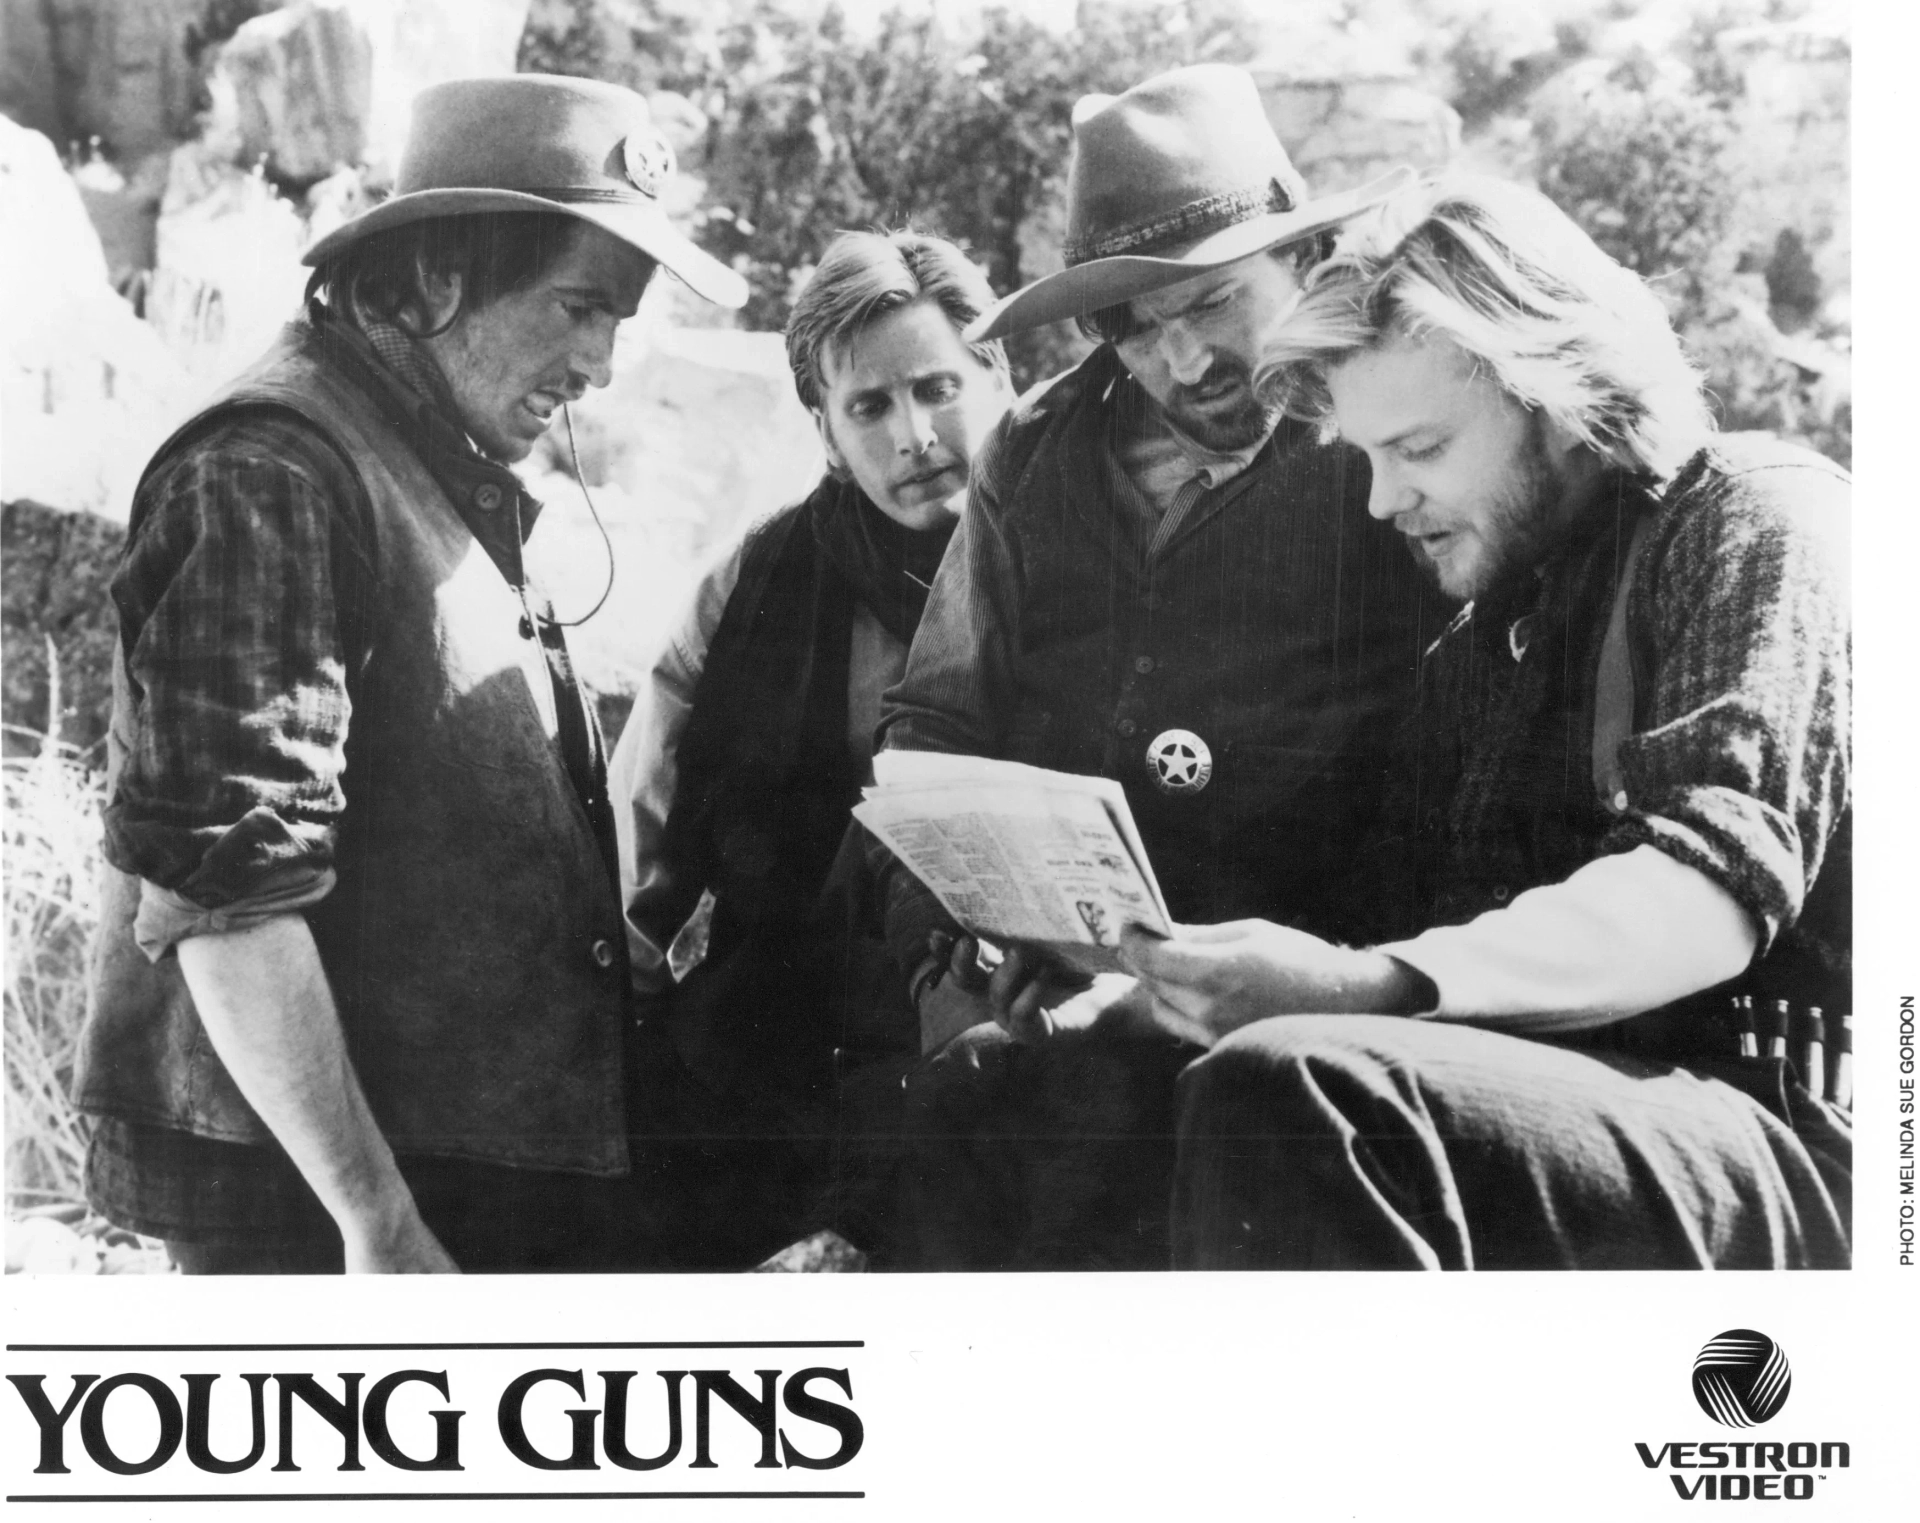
[(1018, 853)]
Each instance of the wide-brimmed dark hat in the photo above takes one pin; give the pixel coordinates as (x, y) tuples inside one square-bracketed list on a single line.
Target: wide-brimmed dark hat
[(1180, 175), (541, 142)]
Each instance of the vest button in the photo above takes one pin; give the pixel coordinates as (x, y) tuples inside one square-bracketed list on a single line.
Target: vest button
[(526, 627), (603, 953), (1143, 664), (1500, 893), (487, 498), (1126, 727)]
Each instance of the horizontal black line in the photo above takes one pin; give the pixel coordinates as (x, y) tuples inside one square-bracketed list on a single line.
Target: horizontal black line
[(452, 1496), (342, 1348)]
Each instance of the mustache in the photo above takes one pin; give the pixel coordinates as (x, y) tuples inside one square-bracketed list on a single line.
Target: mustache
[(1217, 374)]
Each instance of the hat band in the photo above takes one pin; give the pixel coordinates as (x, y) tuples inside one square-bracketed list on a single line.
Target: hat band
[(1194, 220), (568, 193)]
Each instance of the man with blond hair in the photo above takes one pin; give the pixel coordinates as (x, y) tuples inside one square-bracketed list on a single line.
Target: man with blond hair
[(1625, 815)]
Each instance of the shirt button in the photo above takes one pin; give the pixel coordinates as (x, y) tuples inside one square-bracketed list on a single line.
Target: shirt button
[(1143, 664), (1126, 727), (603, 954), (1619, 802), (1500, 892), (487, 498)]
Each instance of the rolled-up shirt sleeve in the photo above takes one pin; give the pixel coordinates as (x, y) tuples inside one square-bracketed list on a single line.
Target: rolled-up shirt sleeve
[(1735, 776), (1739, 768), (241, 599)]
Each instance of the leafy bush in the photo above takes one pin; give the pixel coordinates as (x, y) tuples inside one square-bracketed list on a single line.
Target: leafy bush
[(1639, 159), (969, 138), (1638, 155)]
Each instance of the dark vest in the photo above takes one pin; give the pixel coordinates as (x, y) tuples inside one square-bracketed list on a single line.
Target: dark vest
[(1281, 625), (795, 966), (467, 939)]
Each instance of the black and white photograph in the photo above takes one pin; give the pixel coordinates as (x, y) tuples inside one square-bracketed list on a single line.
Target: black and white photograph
[(912, 721)]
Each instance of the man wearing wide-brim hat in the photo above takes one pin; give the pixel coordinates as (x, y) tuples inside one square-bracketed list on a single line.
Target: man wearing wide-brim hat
[(360, 994), (1160, 580)]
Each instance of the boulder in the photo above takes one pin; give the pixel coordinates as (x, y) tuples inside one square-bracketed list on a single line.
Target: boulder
[(124, 208), (302, 86), (227, 264), (422, 42), (107, 69), (87, 389), (30, 73), (1342, 130), (699, 432)]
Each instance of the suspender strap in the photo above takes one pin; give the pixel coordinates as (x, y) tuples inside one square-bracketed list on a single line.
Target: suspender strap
[(1613, 714)]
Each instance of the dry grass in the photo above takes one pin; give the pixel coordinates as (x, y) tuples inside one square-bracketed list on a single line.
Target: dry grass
[(52, 834), (52, 829)]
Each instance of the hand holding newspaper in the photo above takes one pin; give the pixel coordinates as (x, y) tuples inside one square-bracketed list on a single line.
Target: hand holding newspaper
[(1018, 854)]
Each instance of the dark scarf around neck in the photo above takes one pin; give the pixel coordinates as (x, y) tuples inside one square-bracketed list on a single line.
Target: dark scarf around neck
[(765, 775), (890, 567)]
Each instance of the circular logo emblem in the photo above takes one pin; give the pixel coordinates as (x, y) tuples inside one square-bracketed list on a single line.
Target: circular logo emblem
[(649, 161), (1741, 1378), (1180, 761)]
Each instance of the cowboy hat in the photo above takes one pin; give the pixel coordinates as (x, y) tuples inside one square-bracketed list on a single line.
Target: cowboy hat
[(1175, 177), (546, 143)]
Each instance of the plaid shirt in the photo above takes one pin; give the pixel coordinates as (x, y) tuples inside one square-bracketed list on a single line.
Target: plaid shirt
[(245, 608), (243, 602), (1739, 626)]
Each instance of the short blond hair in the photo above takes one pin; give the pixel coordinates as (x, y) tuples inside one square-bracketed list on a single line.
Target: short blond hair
[(1504, 274)]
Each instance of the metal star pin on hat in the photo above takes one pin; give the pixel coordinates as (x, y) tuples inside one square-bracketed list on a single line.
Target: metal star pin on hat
[(541, 143)]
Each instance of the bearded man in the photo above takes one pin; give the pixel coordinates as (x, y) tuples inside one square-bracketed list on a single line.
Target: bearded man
[(1158, 580), (359, 1000), (1626, 807)]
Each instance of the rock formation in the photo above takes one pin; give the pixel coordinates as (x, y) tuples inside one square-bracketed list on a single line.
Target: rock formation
[(301, 80), (1341, 131)]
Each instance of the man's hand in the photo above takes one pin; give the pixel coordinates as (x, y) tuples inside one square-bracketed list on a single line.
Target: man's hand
[(1205, 981), (1031, 998), (264, 1000), (955, 993), (394, 1240), (950, 990)]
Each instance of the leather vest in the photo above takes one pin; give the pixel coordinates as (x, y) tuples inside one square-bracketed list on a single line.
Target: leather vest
[(473, 939), (1280, 624)]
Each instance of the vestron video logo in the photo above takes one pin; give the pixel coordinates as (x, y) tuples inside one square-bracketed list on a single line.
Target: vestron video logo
[(1741, 1378)]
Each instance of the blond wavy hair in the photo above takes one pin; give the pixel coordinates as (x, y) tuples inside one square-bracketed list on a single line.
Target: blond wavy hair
[(1503, 273)]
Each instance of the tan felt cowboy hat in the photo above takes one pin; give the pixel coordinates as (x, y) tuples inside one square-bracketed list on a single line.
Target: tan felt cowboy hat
[(1178, 176), (541, 142)]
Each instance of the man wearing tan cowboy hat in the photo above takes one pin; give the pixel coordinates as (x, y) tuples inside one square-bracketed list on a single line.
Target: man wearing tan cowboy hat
[(360, 996), (1159, 580)]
